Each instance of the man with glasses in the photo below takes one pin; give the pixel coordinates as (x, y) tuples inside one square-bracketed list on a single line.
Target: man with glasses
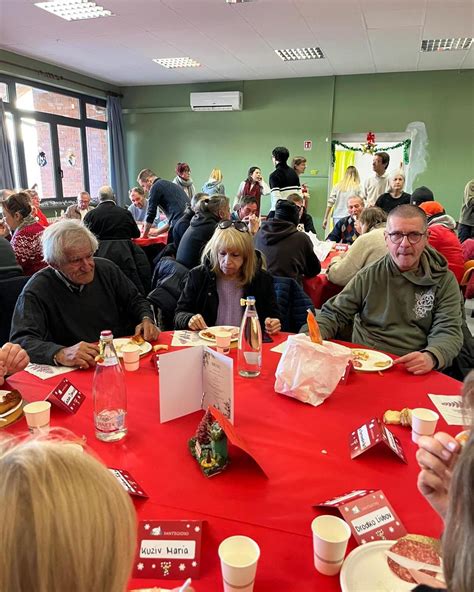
[(79, 210), (248, 212), (62, 310), (408, 303)]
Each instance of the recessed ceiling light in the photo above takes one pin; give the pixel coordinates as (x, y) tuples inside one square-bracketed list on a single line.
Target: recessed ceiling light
[(300, 53), (74, 10), (177, 62), (452, 44)]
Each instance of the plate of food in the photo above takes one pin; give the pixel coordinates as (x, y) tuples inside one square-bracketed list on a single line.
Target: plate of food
[(368, 360), (121, 342), (209, 334), (368, 569)]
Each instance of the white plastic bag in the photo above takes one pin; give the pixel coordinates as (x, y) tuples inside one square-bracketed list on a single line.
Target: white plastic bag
[(308, 371)]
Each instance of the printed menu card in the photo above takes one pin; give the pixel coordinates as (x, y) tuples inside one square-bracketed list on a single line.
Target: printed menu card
[(369, 514), (168, 549), (195, 378)]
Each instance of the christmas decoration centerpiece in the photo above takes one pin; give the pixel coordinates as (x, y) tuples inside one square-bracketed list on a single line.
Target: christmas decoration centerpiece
[(209, 446), (369, 147)]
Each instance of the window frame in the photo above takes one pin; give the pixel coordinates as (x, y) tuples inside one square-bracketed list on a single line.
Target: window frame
[(82, 123)]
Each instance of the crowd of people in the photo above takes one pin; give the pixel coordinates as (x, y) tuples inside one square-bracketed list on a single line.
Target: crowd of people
[(401, 294)]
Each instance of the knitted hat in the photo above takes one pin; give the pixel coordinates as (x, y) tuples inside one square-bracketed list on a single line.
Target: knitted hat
[(431, 208), (286, 210), (420, 195)]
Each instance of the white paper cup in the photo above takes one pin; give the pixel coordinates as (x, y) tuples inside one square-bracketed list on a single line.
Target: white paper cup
[(223, 339), (131, 357), (423, 423), (330, 538), (38, 415), (239, 557)]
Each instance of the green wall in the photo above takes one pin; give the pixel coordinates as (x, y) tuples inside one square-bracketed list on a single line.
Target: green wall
[(161, 130)]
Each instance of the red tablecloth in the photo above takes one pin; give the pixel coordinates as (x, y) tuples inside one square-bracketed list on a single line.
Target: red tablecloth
[(151, 240), (305, 451)]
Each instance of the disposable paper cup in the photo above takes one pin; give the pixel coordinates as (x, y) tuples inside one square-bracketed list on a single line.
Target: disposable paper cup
[(131, 357), (330, 538), (37, 415), (423, 423), (239, 557), (223, 339)]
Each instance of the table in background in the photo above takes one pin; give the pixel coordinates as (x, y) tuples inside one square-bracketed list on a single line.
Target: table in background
[(319, 288), (304, 449)]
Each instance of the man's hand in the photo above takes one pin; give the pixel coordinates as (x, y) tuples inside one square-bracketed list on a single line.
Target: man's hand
[(82, 354), (197, 323), (272, 326), (146, 230), (436, 456), (417, 362), (14, 358), (253, 223), (148, 329)]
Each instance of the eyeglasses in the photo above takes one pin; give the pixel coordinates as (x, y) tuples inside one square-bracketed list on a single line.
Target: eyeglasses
[(237, 224), (413, 237)]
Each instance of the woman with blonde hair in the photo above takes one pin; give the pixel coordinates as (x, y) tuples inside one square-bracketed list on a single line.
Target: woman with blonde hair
[(395, 196), (230, 269), (65, 521), (369, 247), (349, 186), (214, 185)]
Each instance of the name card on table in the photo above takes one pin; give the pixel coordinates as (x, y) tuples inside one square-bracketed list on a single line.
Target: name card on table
[(130, 485), (369, 514), (168, 549), (195, 378), (66, 396), (450, 407), (45, 371), (371, 434)]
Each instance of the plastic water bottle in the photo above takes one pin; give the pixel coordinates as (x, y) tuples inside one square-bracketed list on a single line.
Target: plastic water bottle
[(110, 395), (250, 341)]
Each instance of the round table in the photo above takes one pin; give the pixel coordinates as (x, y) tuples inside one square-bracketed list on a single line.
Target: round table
[(304, 449)]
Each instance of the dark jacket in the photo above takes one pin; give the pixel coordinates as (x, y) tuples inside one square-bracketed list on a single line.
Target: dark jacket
[(293, 303), (200, 297), (283, 181), (182, 225), (194, 240), (108, 221), (131, 259), (288, 252), (389, 203), (169, 197), (344, 231), (8, 264), (170, 280), (306, 221)]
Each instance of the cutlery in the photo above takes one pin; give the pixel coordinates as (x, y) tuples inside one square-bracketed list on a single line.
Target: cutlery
[(412, 564)]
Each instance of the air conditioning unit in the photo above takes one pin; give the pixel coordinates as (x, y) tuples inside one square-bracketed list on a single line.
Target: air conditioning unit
[(217, 101)]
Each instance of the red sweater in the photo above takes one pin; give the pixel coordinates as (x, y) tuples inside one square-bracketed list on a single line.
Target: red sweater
[(26, 242), (445, 241)]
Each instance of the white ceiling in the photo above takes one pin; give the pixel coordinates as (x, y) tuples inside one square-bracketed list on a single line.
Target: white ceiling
[(237, 42)]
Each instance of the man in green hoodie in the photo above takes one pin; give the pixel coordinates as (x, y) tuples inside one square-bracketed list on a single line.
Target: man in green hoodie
[(407, 303)]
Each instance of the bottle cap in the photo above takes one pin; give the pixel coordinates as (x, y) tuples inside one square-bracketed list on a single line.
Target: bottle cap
[(106, 333)]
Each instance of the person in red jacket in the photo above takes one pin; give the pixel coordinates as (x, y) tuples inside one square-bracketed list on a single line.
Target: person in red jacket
[(443, 238)]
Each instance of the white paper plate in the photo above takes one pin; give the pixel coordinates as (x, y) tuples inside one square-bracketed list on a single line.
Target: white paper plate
[(203, 333), (365, 569), (122, 341), (376, 361)]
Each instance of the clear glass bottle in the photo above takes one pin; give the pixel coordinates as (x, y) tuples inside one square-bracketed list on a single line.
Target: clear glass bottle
[(249, 358), (109, 392)]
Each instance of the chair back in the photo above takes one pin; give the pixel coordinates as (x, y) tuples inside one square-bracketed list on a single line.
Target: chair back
[(10, 289)]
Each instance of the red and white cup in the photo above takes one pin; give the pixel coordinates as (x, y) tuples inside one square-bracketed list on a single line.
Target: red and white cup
[(423, 423)]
